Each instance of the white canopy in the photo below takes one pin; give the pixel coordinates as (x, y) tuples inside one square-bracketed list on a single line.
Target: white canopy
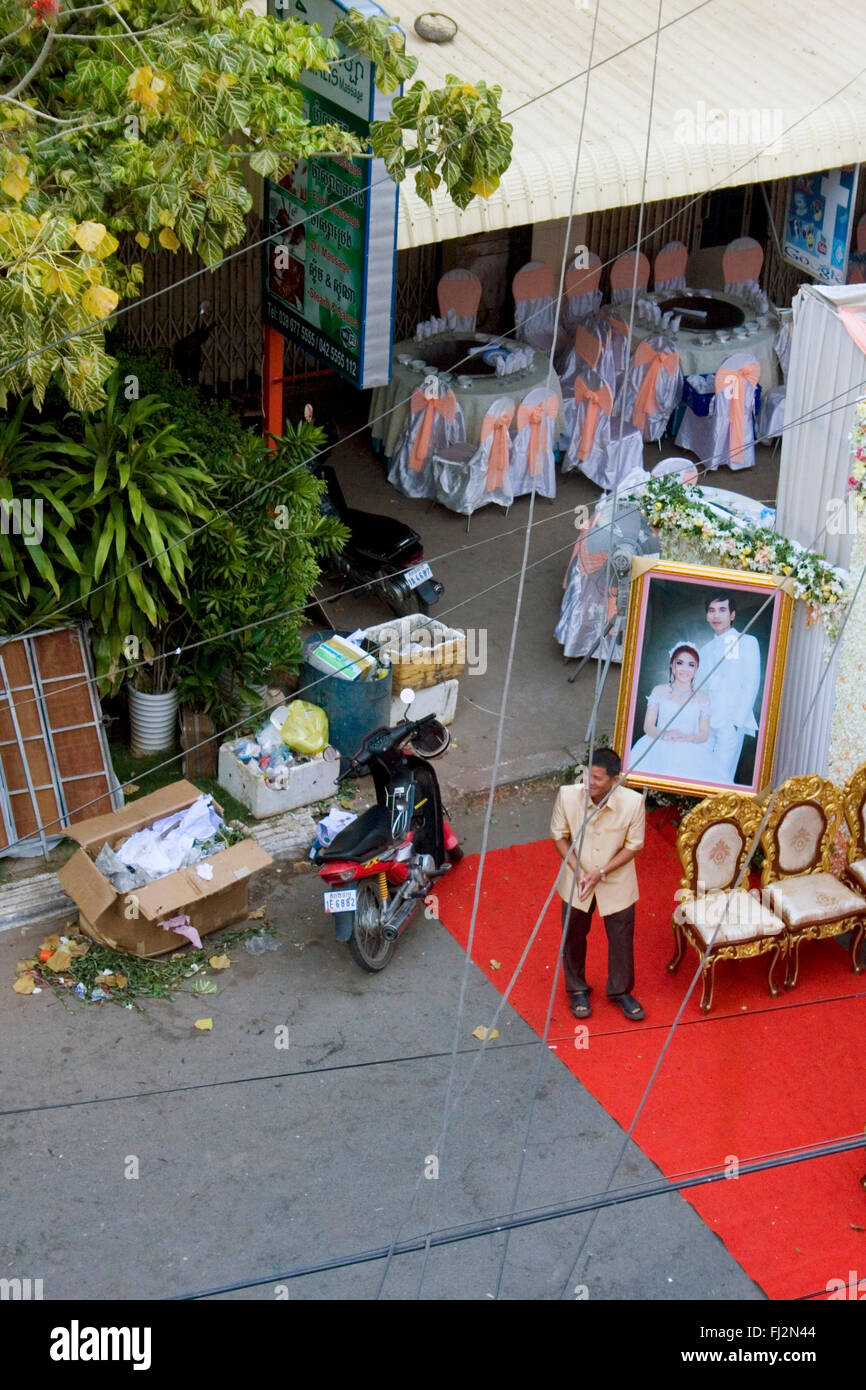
[(732, 77)]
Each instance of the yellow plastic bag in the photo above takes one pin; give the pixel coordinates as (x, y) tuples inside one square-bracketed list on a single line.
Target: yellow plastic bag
[(305, 729)]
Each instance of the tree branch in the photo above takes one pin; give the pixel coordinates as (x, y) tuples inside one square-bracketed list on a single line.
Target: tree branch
[(29, 76)]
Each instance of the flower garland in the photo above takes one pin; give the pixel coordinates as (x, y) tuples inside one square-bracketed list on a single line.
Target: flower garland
[(857, 480), (670, 507)]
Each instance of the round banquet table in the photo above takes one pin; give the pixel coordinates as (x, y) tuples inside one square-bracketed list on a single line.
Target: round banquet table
[(697, 358), (389, 406)]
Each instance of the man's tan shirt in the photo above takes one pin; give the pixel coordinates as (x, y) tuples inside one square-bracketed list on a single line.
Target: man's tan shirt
[(619, 824)]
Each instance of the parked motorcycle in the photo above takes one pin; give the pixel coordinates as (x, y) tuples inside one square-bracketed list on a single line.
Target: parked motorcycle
[(382, 554), (395, 851)]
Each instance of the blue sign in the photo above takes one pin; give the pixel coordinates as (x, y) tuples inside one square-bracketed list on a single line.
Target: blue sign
[(818, 222)]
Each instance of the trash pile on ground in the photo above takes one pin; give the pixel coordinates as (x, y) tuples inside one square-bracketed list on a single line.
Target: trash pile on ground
[(92, 973), (347, 658), (175, 842), (293, 734)]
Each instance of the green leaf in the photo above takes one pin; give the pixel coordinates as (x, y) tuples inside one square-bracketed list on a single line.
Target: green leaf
[(103, 546)]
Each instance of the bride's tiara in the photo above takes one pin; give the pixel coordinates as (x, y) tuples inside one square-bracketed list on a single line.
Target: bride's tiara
[(678, 647)]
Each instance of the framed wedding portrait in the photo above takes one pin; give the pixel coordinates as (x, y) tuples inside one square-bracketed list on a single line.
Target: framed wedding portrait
[(702, 674)]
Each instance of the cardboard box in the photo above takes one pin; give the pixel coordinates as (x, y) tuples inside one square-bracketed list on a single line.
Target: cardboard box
[(131, 921)]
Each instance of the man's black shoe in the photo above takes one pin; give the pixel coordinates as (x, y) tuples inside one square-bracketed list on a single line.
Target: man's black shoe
[(630, 1007), (579, 1004)]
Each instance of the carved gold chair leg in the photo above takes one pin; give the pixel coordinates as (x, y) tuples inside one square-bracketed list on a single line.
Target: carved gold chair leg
[(708, 976), (857, 937), (679, 948), (793, 964), (778, 950)]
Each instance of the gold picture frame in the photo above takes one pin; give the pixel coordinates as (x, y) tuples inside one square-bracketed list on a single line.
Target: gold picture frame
[(693, 734)]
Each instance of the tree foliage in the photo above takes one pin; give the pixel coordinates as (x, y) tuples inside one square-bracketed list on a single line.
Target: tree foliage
[(146, 116)]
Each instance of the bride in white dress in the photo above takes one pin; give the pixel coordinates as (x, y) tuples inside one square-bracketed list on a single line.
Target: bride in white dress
[(676, 739)]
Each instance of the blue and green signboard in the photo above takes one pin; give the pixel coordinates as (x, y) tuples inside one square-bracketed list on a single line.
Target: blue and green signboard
[(330, 264)]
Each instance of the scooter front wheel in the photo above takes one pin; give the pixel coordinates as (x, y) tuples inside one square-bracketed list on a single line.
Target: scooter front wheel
[(370, 948)]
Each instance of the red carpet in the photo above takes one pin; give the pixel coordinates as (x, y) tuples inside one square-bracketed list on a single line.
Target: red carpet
[(753, 1077)]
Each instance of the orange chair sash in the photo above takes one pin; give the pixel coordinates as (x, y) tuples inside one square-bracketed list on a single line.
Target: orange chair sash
[(731, 382), (446, 406), (598, 403), (497, 463), (646, 402), (533, 416)]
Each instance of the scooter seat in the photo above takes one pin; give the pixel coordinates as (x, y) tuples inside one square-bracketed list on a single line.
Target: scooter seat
[(381, 537), (367, 835)]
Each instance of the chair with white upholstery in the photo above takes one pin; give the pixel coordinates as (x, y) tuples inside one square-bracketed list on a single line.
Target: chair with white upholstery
[(652, 386), (727, 434), (741, 266), (534, 301), (604, 450), (582, 294), (433, 422), (771, 417), (798, 843), (622, 276), (593, 347), (468, 476), (854, 806), (533, 465), (460, 292), (669, 267), (714, 917), (683, 470)]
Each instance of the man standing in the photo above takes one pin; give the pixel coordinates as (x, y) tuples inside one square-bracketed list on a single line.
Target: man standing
[(730, 672), (605, 876)]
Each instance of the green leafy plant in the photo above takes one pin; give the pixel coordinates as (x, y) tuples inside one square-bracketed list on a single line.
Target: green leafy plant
[(122, 491), (146, 116)]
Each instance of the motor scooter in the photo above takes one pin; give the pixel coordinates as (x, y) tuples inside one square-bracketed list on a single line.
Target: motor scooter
[(380, 868), (382, 554)]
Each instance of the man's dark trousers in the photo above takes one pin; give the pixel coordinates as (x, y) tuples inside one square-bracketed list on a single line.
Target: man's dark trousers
[(620, 949)]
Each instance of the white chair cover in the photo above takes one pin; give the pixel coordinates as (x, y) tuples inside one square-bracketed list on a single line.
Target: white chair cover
[(522, 478), (579, 306), (669, 269), (589, 600), (535, 314), (444, 425), (723, 406), (616, 347), (696, 431), (616, 451), (771, 416), (668, 384), (684, 470), (460, 483)]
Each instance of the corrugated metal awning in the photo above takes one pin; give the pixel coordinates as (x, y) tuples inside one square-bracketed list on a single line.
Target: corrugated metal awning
[(732, 77)]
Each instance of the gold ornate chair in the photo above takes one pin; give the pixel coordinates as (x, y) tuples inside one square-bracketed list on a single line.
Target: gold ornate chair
[(798, 845), (854, 806), (713, 841)]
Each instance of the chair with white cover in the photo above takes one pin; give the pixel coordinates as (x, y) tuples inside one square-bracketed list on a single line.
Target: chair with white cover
[(653, 386), (433, 422), (592, 348), (727, 434), (582, 294), (622, 276), (460, 291), (683, 470), (617, 346), (717, 919), (771, 416), (798, 844), (741, 266), (533, 466), (467, 477), (669, 267), (601, 448), (534, 301)]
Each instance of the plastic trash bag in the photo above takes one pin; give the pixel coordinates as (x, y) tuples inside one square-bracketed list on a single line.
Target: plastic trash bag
[(305, 729)]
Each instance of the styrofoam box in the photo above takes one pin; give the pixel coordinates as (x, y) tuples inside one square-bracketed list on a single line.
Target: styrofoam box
[(311, 781), (440, 700)]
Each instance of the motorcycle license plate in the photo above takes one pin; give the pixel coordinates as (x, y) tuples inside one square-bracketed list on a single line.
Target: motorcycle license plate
[(417, 576), (344, 900)]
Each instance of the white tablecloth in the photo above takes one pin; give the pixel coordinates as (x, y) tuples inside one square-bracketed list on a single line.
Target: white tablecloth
[(704, 358), (390, 404)]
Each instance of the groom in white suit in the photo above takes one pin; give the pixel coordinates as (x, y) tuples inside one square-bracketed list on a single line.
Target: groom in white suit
[(730, 672)]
